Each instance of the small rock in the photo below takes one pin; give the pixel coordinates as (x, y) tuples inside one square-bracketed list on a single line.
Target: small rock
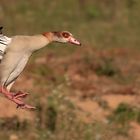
[(13, 137)]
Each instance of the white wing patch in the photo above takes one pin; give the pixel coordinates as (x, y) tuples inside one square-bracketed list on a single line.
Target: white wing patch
[(4, 41)]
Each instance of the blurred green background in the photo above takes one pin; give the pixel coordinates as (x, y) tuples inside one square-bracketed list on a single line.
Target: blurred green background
[(100, 23), (62, 77)]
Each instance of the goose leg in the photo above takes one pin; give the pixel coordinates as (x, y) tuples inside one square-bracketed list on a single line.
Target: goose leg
[(17, 95), (20, 95), (16, 99), (6, 93)]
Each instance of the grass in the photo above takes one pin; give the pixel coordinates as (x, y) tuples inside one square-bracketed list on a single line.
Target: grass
[(94, 24), (125, 113), (106, 68), (57, 119), (13, 123), (122, 116)]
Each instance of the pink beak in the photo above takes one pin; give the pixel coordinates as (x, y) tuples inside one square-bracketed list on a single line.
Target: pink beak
[(74, 41)]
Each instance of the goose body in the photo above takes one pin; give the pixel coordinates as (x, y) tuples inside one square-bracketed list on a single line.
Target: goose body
[(17, 54)]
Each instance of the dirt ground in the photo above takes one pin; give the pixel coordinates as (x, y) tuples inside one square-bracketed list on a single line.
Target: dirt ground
[(91, 82)]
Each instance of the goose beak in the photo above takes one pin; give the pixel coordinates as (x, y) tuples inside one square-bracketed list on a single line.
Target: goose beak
[(74, 41)]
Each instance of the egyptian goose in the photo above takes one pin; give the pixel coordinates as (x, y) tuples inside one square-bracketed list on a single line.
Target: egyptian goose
[(16, 52)]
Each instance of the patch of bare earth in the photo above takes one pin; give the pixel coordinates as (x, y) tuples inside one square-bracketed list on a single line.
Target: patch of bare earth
[(8, 109), (88, 89)]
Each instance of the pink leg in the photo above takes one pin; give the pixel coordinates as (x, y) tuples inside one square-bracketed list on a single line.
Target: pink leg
[(20, 95), (16, 98)]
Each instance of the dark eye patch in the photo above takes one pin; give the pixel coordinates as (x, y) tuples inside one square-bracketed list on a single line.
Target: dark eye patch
[(58, 34), (66, 35)]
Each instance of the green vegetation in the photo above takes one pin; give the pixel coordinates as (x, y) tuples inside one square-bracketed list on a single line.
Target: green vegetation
[(122, 116), (58, 120), (107, 68), (100, 23), (125, 113)]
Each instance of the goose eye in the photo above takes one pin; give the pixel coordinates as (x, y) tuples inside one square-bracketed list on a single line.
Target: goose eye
[(66, 35)]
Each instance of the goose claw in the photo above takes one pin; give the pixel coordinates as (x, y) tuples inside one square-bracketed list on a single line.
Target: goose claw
[(20, 95), (26, 106)]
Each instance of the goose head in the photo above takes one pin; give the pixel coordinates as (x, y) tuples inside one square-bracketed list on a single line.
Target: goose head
[(62, 37)]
